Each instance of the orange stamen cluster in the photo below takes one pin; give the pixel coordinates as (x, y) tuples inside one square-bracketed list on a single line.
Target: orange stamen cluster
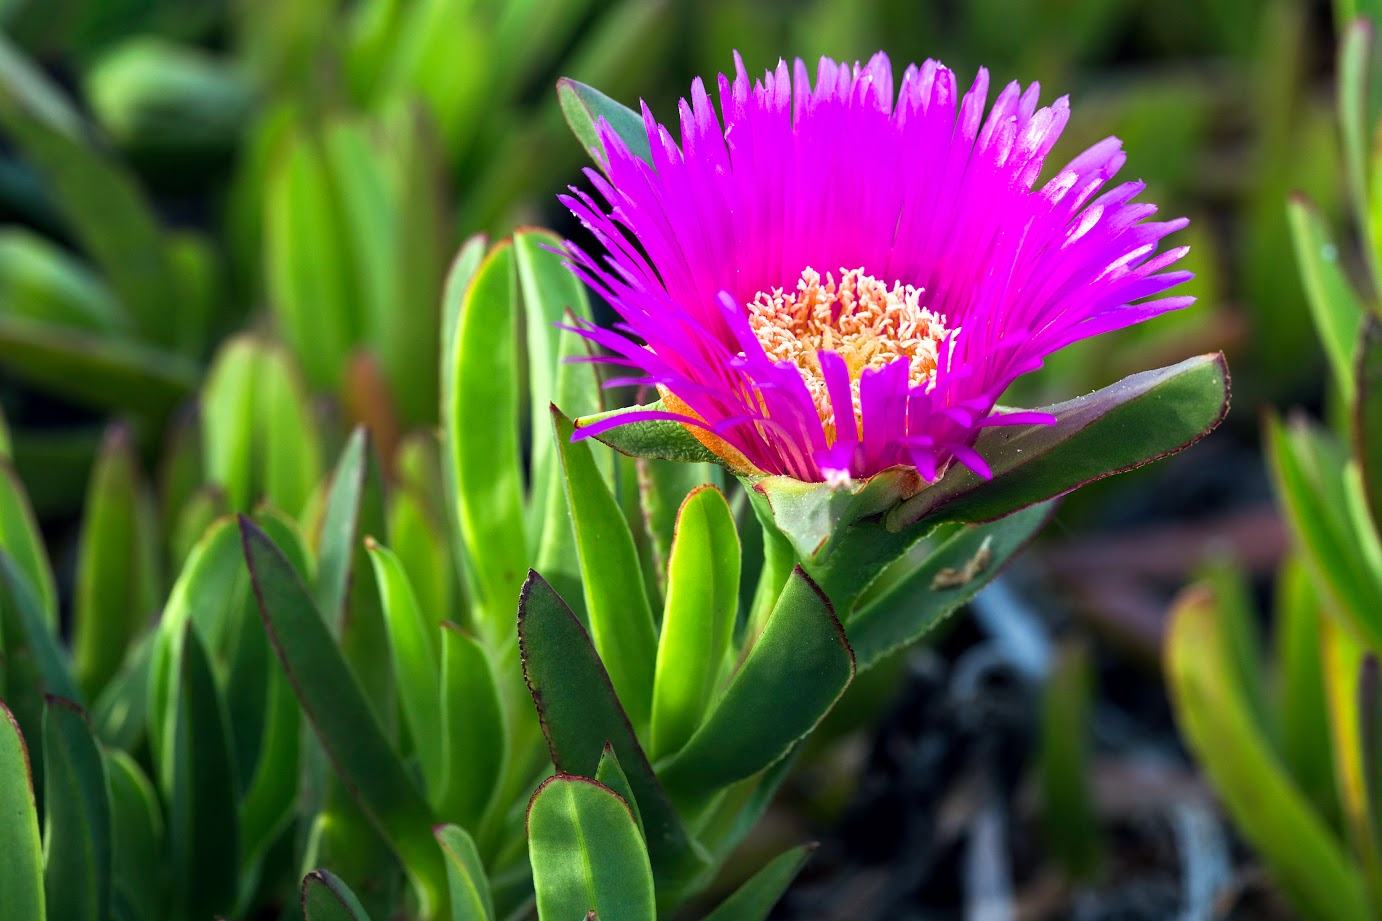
[(861, 319)]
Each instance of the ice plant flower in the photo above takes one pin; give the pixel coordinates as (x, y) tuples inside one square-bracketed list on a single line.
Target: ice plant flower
[(844, 278)]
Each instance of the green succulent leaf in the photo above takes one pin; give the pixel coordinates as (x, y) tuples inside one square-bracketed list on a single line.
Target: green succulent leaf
[(96, 370), (615, 598), (584, 106), (951, 574), (1071, 822), (580, 714), (203, 825), (118, 582), (326, 898), (259, 437), (345, 591), (77, 815), (1309, 473), (755, 898), (416, 661), (551, 294), (137, 828), (1305, 742), (1367, 415), (21, 540), (99, 199), (698, 619), (587, 853), (478, 414), (795, 672), (27, 627), (342, 718), (472, 730), (1333, 305), (609, 773), (41, 282), (465, 874), (1140, 419), (662, 439), (1304, 857), (21, 851)]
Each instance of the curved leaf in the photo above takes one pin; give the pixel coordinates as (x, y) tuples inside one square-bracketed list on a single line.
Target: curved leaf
[(1140, 419), (77, 837), (698, 619), (793, 675), (326, 898), (465, 874), (1301, 852), (754, 900), (342, 718), (951, 575), (584, 106), (580, 714), (616, 601), (21, 851), (587, 854)]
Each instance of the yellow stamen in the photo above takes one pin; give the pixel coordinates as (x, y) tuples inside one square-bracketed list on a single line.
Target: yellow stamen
[(860, 319)]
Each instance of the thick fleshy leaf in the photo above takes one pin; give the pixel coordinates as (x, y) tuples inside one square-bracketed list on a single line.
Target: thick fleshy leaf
[(615, 599), (1367, 415), (578, 390), (310, 279), (609, 773), (203, 824), (657, 438), (418, 530), (1343, 660), (118, 583), (465, 874), (100, 201), (21, 851), (1308, 863), (41, 281), (137, 828), (952, 574), (797, 669), (416, 661), (1333, 305), (698, 619), (1140, 419), (479, 413), (1305, 745), (1370, 740), (551, 294), (587, 853), (259, 436), (326, 898), (345, 591), (1063, 764), (471, 731), (343, 720), (20, 538), (96, 371), (1308, 472), (580, 714), (27, 628), (584, 107), (77, 817), (1357, 77), (755, 898)]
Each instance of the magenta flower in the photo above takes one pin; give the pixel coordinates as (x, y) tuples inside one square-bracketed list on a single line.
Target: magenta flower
[(844, 279)]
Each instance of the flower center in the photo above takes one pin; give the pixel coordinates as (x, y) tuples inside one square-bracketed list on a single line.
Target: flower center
[(860, 319)]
